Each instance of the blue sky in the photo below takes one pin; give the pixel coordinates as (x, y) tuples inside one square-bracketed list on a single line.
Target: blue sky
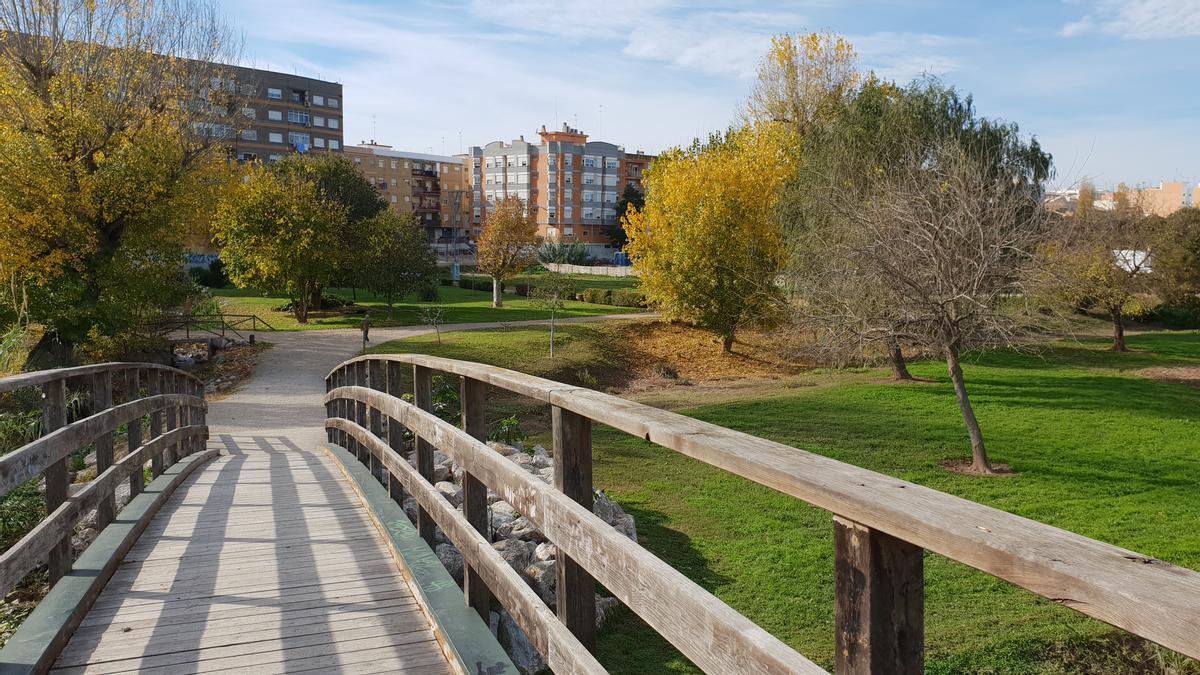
[(1110, 87)]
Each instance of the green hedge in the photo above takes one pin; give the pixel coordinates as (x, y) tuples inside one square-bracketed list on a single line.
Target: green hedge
[(596, 296), (628, 298)]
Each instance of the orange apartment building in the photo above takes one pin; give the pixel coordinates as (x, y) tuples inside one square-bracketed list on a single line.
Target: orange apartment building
[(1163, 200), (570, 184), (434, 188)]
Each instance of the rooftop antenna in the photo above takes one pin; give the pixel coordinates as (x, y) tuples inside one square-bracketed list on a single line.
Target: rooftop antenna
[(460, 143), (373, 134), (600, 123), (443, 145)]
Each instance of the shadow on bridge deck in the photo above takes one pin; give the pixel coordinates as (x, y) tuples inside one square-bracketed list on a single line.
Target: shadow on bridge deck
[(264, 560)]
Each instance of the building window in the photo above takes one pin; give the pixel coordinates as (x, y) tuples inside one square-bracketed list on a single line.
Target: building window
[(247, 157), (249, 113), (276, 94), (394, 199), (568, 231), (249, 134), (379, 162), (334, 145), (275, 137), (333, 102), (275, 115), (393, 164), (318, 99), (610, 162), (318, 142), (298, 139), (298, 117), (273, 158), (334, 123), (318, 121), (567, 214), (246, 89)]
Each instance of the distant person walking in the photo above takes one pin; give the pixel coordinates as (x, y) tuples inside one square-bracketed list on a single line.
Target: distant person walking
[(366, 329)]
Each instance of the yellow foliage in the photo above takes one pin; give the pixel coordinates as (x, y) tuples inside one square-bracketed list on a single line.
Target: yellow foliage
[(802, 80), (707, 242), (509, 240)]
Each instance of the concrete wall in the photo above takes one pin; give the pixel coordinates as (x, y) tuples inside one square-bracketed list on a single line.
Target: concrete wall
[(601, 270)]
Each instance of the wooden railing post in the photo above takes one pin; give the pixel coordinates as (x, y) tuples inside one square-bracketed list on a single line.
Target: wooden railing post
[(472, 399), (360, 409), (133, 387), (54, 416), (423, 399), (330, 407), (101, 401), (395, 430), (573, 477), (880, 608), (375, 381), (154, 388), (171, 386)]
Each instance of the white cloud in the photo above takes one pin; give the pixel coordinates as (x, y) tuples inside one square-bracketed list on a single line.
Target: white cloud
[(1138, 19), (904, 56)]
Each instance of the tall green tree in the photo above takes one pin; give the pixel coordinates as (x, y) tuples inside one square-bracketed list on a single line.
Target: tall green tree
[(631, 197), (110, 133), (279, 233), (336, 179), (397, 260)]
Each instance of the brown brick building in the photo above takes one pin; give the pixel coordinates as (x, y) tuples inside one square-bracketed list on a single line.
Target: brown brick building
[(432, 187), (283, 113), (572, 185)]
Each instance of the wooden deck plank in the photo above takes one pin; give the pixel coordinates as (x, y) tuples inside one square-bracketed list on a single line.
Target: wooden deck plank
[(266, 561)]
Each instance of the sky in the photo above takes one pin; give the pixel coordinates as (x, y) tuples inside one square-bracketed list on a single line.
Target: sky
[(1111, 88)]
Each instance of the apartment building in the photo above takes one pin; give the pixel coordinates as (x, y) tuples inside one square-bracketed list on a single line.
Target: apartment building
[(432, 187), (1163, 200), (570, 184), (281, 113)]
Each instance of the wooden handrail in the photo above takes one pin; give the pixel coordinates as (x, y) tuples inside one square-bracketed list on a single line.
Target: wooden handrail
[(706, 630), (1142, 595), (170, 392)]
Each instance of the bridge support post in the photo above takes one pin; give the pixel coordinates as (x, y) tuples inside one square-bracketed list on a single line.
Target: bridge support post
[(473, 398), (54, 416), (573, 476), (101, 401), (171, 386), (360, 410), (880, 609), (133, 388), (155, 386), (395, 430), (375, 381), (423, 398)]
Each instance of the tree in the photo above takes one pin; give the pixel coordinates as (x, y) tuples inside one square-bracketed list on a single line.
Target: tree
[(883, 131), (397, 259), (110, 150), (707, 242), (803, 80), (631, 198), (1102, 260), (551, 292), (337, 179), (1177, 260), (508, 244), (279, 234)]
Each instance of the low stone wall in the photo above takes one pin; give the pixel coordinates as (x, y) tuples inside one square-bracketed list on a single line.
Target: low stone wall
[(599, 270)]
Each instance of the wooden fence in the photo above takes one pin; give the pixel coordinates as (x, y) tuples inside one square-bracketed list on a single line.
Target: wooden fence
[(217, 325), (171, 399), (882, 526)]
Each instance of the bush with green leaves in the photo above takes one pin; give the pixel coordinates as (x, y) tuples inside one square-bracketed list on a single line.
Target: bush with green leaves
[(597, 296)]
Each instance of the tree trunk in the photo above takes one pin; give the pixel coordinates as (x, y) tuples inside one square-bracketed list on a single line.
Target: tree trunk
[(899, 366), (496, 300), (979, 458), (314, 299), (727, 344), (353, 294), (1118, 321)]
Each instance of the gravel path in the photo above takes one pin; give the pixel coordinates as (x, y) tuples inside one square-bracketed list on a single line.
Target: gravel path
[(283, 397)]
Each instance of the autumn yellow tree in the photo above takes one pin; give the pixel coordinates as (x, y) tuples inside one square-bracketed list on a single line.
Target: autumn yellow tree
[(707, 243), (803, 80), (110, 128), (508, 244)]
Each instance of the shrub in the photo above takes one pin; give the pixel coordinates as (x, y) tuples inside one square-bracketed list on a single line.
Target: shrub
[(569, 254), (522, 290), (212, 276), (628, 298), (446, 281), (598, 296), (1175, 316), (428, 293)]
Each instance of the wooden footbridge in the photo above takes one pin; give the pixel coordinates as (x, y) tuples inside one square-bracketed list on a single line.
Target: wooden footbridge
[(219, 551)]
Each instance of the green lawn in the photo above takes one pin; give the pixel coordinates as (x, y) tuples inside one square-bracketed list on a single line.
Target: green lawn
[(583, 281), (462, 306), (1097, 450)]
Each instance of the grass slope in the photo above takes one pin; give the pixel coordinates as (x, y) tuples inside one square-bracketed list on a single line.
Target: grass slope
[(462, 306), (1097, 449)]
